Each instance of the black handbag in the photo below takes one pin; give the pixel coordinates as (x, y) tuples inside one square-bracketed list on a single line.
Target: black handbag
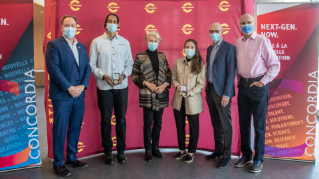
[(164, 95)]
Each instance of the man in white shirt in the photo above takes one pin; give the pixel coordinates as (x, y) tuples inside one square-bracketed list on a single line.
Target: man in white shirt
[(111, 62)]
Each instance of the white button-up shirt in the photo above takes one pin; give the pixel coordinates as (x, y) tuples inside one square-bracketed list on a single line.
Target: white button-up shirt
[(108, 57), (73, 48)]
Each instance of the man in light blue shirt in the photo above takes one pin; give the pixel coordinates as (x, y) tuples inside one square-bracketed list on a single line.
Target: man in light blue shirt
[(111, 62)]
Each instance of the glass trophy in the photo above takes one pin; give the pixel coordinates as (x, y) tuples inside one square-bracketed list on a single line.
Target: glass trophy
[(116, 78), (183, 90)]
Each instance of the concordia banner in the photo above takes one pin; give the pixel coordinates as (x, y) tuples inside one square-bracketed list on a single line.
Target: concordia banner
[(176, 22), (19, 144), (291, 118)]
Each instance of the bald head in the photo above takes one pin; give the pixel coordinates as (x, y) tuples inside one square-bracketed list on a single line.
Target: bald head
[(246, 17), (216, 26), (217, 29)]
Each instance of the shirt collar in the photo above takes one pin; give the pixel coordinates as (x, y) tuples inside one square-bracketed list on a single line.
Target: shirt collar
[(218, 44), (107, 37), (68, 41), (253, 36)]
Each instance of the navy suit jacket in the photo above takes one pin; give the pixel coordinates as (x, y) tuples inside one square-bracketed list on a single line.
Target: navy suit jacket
[(63, 69), (223, 68)]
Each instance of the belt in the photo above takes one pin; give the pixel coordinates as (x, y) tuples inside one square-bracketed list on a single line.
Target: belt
[(251, 79)]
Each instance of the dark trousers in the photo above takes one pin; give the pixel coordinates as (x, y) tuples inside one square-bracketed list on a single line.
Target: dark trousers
[(252, 101), (151, 138), (221, 121), (68, 116), (193, 120), (107, 99)]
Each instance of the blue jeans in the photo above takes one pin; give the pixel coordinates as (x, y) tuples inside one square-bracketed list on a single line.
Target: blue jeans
[(252, 101)]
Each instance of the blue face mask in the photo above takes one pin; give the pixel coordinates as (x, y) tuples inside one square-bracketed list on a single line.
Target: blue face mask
[(189, 53), (215, 37), (111, 27), (69, 32), (247, 29), (152, 46)]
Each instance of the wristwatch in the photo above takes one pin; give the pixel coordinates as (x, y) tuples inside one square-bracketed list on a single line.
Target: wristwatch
[(124, 76)]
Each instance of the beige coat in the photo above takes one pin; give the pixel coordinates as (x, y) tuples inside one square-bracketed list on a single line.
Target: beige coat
[(195, 84)]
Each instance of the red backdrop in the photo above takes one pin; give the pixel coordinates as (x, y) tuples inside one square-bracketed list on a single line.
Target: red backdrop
[(176, 22)]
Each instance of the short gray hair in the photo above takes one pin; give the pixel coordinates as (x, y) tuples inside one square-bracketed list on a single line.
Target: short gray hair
[(156, 34)]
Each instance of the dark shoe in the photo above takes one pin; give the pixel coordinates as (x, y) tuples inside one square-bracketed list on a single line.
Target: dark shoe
[(214, 155), (243, 161), (62, 171), (121, 158), (224, 162), (189, 158), (256, 168), (148, 156), (109, 158), (180, 155), (157, 153), (76, 164)]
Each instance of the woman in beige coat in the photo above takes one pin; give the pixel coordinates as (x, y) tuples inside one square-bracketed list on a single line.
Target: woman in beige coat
[(188, 72)]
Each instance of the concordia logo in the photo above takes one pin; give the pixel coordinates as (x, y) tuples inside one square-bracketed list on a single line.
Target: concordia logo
[(113, 120), (150, 8), (114, 141), (78, 29), (49, 35), (113, 7), (80, 146), (224, 6), (186, 139), (187, 7), (226, 28), (187, 29), (150, 28), (75, 5)]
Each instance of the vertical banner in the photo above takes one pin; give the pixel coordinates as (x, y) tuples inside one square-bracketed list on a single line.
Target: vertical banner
[(291, 118), (19, 144), (176, 21)]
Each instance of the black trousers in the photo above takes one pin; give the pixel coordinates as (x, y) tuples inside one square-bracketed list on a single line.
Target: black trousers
[(151, 138), (107, 99), (193, 120), (252, 101), (221, 121)]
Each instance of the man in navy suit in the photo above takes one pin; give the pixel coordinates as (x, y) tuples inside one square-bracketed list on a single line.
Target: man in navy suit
[(68, 66), (221, 66)]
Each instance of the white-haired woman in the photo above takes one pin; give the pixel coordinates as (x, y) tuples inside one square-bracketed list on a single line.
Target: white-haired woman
[(151, 73)]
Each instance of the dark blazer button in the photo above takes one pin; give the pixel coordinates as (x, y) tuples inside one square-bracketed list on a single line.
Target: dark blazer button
[(77, 80)]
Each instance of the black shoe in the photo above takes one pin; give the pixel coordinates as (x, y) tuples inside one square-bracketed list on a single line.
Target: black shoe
[(180, 155), (109, 158), (243, 161), (62, 171), (76, 164), (148, 155), (214, 155), (224, 162), (256, 167), (121, 158), (189, 158), (157, 153)]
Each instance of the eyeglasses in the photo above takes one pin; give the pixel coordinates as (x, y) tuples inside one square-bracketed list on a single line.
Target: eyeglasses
[(214, 31), (244, 23)]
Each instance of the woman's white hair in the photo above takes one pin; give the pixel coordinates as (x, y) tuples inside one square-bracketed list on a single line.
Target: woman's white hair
[(156, 34)]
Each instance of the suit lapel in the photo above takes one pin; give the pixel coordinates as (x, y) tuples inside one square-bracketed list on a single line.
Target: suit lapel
[(209, 53), (219, 49), (65, 43), (79, 49)]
